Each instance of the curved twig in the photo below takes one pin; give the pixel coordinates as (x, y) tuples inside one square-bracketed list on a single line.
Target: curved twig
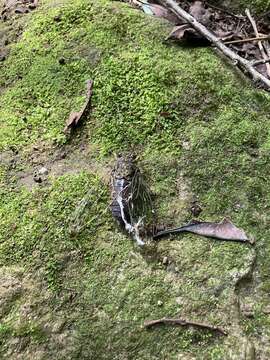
[(183, 322)]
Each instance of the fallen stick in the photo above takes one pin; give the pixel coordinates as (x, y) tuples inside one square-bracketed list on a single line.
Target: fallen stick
[(259, 62), (76, 117), (267, 50), (260, 45), (236, 59), (182, 322), (259, 38)]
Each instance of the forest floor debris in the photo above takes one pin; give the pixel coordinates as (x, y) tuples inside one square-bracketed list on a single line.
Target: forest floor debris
[(224, 230), (202, 24)]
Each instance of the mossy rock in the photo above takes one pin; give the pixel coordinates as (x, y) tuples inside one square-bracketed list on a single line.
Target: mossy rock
[(200, 132)]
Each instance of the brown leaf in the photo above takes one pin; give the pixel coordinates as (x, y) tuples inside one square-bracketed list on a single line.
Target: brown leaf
[(76, 117), (158, 11), (225, 230), (187, 34)]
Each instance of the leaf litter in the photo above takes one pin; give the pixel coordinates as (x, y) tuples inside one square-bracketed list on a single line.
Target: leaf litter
[(246, 36)]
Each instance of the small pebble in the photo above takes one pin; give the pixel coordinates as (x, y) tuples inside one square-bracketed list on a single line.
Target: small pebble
[(43, 171), (247, 310)]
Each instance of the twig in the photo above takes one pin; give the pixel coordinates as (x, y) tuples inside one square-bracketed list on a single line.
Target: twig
[(259, 62), (267, 48), (260, 45), (246, 40), (183, 322), (236, 59)]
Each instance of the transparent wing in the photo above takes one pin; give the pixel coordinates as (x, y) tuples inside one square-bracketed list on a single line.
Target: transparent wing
[(140, 203)]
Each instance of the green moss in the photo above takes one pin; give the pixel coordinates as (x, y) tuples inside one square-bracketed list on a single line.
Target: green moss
[(5, 331), (199, 132), (31, 219)]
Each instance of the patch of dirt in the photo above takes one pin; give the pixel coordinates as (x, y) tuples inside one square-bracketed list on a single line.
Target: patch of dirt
[(41, 164), (10, 8), (42, 323), (10, 288)]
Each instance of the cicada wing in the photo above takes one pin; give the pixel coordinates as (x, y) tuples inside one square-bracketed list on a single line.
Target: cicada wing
[(140, 205)]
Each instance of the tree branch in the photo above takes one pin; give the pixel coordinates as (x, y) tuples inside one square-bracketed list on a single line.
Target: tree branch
[(259, 38), (259, 62), (260, 45)]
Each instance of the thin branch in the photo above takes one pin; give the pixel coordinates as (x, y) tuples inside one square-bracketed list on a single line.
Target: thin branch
[(183, 322), (266, 48), (236, 59), (259, 62), (260, 45), (259, 38)]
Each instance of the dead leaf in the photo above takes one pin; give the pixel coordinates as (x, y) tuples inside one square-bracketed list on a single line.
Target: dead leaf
[(159, 11), (225, 230), (76, 117), (185, 33)]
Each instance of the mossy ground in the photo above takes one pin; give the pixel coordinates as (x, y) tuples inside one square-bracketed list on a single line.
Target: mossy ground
[(199, 132)]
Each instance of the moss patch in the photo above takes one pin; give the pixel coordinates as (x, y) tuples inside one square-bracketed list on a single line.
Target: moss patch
[(199, 132)]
